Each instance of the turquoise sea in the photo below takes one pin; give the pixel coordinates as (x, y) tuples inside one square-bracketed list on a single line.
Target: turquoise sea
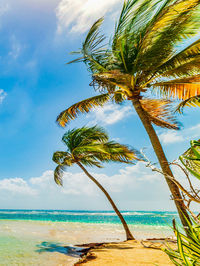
[(132, 217), (46, 237)]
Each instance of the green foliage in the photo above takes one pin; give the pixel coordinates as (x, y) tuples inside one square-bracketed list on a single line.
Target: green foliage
[(90, 146), (188, 252), (191, 158)]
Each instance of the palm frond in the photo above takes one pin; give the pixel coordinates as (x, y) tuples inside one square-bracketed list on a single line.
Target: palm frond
[(93, 51), (182, 89), (61, 158), (121, 153), (84, 106), (191, 159), (58, 173), (160, 113), (178, 21), (191, 102), (79, 138), (90, 161), (188, 68), (128, 37), (190, 54)]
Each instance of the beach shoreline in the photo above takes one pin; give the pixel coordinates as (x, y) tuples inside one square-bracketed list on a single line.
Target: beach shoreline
[(52, 243)]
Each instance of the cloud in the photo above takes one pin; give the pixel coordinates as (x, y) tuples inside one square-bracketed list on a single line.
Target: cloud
[(2, 95), (133, 187), (16, 185), (170, 137), (110, 114), (78, 15)]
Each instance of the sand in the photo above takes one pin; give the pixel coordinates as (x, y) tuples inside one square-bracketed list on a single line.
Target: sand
[(126, 253)]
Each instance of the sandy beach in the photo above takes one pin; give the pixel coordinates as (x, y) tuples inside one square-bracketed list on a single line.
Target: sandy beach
[(126, 253)]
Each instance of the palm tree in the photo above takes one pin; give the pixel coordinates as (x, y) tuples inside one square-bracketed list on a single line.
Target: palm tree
[(145, 56), (90, 146)]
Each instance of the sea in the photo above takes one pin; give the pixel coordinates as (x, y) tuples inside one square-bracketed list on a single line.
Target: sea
[(48, 237)]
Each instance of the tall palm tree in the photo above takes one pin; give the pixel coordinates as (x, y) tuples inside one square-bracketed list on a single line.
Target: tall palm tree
[(150, 52), (90, 146)]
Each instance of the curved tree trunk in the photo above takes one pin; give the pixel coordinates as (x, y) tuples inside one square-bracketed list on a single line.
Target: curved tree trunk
[(163, 162), (128, 233)]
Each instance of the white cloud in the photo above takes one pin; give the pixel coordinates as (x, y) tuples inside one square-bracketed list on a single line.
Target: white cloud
[(171, 137), (126, 187), (110, 114), (16, 185), (79, 15), (2, 95)]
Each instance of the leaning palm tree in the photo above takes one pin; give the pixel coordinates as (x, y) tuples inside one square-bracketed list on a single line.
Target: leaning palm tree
[(150, 53), (90, 146)]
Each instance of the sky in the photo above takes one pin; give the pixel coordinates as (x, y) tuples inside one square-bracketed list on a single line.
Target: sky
[(36, 38)]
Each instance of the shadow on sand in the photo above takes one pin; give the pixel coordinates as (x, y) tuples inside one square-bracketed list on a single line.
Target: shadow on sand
[(72, 251)]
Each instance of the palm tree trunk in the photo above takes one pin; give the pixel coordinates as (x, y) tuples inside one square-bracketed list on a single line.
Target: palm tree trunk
[(128, 233), (163, 162)]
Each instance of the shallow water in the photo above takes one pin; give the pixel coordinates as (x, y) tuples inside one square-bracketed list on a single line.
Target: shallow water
[(39, 237)]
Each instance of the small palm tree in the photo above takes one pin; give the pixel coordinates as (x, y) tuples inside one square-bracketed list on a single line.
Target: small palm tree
[(90, 146), (145, 56)]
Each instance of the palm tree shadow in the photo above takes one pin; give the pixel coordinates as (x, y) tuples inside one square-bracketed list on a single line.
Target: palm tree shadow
[(72, 251)]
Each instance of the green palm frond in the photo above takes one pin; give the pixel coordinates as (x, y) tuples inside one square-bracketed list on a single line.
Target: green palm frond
[(178, 21), (93, 50), (191, 158), (90, 161), (186, 68), (191, 102), (121, 153), (58, 173), (181, 61), (84, 137), (61, 158), (159, 112), (81, 107), (188, 251)]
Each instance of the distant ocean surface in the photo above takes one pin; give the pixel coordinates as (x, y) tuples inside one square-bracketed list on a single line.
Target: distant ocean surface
[(40, 237), (132, 217)]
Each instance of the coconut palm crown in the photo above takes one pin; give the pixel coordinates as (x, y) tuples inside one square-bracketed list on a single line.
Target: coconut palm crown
[(151, 51), (90, 146)]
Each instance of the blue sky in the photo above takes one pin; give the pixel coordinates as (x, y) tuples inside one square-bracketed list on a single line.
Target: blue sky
[(35, 85)]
